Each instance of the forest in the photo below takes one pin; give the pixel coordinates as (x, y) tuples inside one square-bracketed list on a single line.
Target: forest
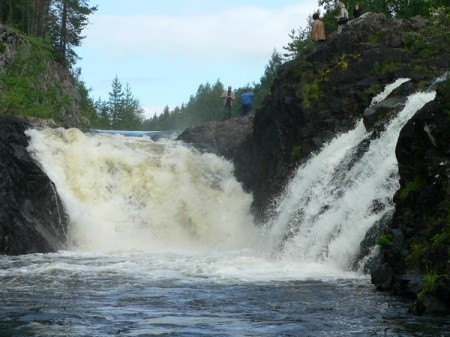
[(54, 28)]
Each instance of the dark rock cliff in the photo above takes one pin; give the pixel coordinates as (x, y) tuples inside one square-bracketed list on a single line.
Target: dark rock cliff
[(32, 218), (415, 256), (317, 96)]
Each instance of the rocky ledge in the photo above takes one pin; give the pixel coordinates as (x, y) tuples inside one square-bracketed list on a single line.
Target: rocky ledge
[(32, 218)]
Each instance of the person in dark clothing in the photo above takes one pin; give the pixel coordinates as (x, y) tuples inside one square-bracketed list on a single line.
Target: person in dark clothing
[(357, 11), (228, 97)]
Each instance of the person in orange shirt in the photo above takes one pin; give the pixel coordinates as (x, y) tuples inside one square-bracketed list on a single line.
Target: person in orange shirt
[(318, 31)]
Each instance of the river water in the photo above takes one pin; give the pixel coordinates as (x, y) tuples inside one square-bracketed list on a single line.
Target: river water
[(162, 242), (233, 294)]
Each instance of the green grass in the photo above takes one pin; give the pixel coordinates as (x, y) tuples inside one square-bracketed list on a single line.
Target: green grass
[(23, 86)]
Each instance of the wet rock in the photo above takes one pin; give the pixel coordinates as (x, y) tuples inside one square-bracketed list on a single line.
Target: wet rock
[(376, 116), (32, 218), (382, 277), (420, 262)]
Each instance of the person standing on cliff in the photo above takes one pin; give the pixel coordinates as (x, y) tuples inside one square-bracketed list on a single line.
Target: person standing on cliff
[(228, 97), (246, 100), (342, 18), (317, 31), (357, 11)]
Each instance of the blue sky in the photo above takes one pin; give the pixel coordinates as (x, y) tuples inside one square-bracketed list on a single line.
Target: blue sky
[(164, 49)]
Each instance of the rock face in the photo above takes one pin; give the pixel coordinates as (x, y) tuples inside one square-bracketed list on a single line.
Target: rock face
[(54, 77), (32, 218), (415, 261), (222, 138)]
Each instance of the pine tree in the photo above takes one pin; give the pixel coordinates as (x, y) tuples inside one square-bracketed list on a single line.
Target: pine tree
[(115, 103), (68, 18), (131, 112)]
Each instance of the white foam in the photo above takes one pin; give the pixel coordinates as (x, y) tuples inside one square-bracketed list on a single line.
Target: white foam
[(129, 194)]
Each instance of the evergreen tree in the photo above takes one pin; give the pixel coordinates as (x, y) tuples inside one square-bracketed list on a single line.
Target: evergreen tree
[(300, 43), (392, 8), (265, 84), (86, 103), (61, 20), (101, 119), (68, 18), (115, 103), (38, 17), (122, 111), (131, 113)]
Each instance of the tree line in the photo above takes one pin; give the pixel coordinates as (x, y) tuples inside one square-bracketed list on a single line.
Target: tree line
[(122, 111), (60, 22), (207, 105)]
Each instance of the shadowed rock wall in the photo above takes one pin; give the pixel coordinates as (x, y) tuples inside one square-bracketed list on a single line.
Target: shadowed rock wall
[(32, 218)]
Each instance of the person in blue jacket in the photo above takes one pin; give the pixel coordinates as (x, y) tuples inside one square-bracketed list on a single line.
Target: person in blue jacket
[(246, 100)]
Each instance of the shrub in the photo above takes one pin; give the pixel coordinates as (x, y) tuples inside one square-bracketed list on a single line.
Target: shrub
[(297, 152), (385, 240), (429, 284), (414, 185)]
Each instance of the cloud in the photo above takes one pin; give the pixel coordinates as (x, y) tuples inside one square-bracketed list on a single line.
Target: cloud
[(247, 32)]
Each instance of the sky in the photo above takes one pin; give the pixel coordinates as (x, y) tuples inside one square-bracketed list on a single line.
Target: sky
[(165, 49)]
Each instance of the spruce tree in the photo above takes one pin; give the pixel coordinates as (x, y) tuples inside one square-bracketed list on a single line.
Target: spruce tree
[(68, 18), (115, 103)]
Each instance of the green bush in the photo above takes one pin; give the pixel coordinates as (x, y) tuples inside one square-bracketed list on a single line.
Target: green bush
[(385, 240), (429, 284), (297, 152), (416, 184), (311, 92)]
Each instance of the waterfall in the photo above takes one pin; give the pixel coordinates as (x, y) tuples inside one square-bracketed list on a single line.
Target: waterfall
[(340, 193), (135, 194), (128, 194)]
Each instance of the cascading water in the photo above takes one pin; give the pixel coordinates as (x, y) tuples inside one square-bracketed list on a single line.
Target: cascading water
[(338, 195), (133, 194), (162, 242)]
